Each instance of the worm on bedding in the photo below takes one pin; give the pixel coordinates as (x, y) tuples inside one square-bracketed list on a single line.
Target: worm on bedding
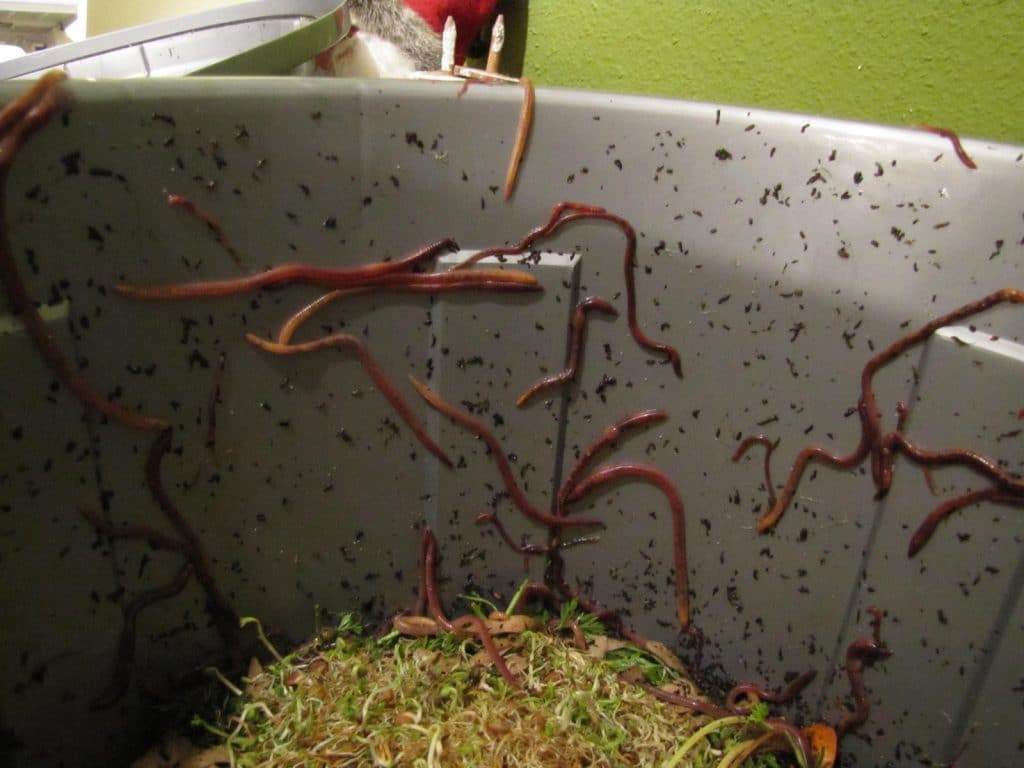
[(578, 328), (428, 570), (687, 702), (478, 428), (784, 695), (384, 384)]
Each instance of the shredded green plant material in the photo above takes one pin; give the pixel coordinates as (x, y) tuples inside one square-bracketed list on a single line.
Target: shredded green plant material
[(348, 699)]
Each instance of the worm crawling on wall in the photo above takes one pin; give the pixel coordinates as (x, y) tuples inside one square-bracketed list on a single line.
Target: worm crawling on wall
[(882, 448)]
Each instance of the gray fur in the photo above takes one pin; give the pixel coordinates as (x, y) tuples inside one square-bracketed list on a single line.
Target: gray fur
[(393, 21)]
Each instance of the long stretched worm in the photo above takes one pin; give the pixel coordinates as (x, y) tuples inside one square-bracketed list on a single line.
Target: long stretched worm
[(19, 120), (523, 130), (288, 273), (524, 126), (662, 482), (224, 618), (478, 428), (413, 282), (964, 457), (577, 327), (370, 365)]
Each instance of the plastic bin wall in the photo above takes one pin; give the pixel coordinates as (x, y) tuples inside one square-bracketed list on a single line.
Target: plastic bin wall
[(777, 252)]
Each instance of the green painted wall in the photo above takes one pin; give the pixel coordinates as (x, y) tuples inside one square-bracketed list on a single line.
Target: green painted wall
[(953, 63)]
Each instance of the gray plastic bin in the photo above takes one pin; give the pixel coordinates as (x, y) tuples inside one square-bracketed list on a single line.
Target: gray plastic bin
[(777, 252)]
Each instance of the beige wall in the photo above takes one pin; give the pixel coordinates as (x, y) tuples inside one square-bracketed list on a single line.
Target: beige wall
[(108, 15)]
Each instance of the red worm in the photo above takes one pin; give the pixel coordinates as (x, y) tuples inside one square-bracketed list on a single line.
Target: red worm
[(180, 201), (927, 527), (428, 572), (151, 536), (805, 457), (541, 592), (564, 213), (860, 653), (687, 702), (781, 696), (983, 465), (221, 613), (561, 214), (795, 735), (409, 627), (578, 638), (522, 549), (530, 549), (660, 480), (769, 446), (606, 438), (946, 133), (556, 565), (19, 120), (780, 727), (881, 468), (523, 130), (293, 323), (288, 273), (555, 576), (413, 282), (871, 440), (125, 659), (478, 428), (578, 328), (372, 368)]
